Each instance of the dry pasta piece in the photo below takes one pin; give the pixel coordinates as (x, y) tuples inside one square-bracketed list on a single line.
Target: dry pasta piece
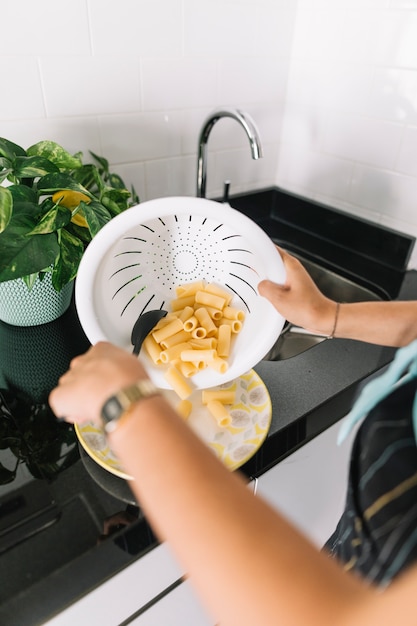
[(177, 381), (191, 323), (198, 356), (186, 313), (215, 314), (153, 349), (199, 333), (218, 291), (180, 303), (184, 408), (235, 325), (206, 321), (210, 299), (180, 337), (187, 368), (224, 337), (206, 343), (231, 313), (220, 413), (167, 331), (189, 289), (218, 364), (225, 396), (174, 352)]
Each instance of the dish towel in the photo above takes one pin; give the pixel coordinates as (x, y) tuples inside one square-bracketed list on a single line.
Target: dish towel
[(402, 369)]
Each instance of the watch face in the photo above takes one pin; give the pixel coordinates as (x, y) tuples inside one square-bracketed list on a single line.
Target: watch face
[(112, 409)]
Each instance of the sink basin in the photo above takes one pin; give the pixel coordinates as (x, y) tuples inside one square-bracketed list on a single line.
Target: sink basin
[(295, 340)]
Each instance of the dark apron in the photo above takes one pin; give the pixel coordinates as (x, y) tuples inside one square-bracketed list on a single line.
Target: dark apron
[(377, 533)]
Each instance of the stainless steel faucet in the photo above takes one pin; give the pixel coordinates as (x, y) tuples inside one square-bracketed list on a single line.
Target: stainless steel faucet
[(244, 120)]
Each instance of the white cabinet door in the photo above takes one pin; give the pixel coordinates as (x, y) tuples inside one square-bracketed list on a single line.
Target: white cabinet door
[(309, 486)]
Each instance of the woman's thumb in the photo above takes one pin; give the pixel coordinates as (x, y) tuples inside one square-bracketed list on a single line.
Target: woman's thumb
[(270, 290)]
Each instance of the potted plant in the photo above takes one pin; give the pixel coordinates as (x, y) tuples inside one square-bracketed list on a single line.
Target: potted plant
[(51, 206)]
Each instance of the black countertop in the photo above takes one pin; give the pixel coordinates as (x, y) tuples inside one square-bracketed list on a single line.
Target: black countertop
[(57, 550)]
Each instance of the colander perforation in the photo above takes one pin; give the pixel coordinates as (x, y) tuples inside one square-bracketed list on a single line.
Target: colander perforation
[(125, 285), (243, 265), (148, 303), (239, 296), (230, 237), (131, 300), (239, 250), (126, 267)]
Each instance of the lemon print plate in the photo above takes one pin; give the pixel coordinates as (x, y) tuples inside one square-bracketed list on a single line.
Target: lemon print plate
[(234, 444)]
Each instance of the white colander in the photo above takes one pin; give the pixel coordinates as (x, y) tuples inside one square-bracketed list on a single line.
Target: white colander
[(135, 262)]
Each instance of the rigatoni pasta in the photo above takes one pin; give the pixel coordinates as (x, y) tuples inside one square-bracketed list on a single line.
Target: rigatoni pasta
[(225, 396), (219, 412), (178, 382), (196, 334), (184, 408)]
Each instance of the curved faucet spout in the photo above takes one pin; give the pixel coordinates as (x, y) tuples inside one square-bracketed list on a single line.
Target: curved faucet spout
[(245, 121)]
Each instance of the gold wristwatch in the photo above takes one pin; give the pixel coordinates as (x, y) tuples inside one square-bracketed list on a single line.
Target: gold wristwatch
[(117, 405)]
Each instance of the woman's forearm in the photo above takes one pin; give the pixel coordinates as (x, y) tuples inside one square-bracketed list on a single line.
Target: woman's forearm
[(248, 564), (385, 323)]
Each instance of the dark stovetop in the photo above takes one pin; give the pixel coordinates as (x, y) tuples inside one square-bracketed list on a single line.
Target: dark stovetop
[(66, 524)]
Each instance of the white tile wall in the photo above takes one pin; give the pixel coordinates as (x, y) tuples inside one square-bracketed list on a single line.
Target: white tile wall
[(331, 84), (349, 137), (134, 81)]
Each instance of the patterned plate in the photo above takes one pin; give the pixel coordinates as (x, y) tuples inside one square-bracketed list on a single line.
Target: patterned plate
[(234, 445)]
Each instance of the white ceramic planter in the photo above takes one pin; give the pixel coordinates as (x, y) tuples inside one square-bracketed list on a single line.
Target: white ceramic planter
[(21, 306)]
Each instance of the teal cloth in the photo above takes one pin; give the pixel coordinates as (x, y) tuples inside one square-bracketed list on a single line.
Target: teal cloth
[(402, 369)]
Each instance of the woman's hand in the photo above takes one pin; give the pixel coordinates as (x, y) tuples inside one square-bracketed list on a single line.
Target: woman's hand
[(299, 300), (91, 379)]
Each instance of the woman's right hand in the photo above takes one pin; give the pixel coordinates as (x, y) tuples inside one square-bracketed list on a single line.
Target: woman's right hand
[(299, 299), (91, 379)]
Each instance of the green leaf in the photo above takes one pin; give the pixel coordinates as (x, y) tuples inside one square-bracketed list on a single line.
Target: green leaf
[(10, 150), (96, 216), (101, 161), (135, 197), (33, 166), (115, 200), (55, 153), (4, 174), (57, 217), (5, 162), (116, 181), (80, 232), (21, 255), (25, 201), (21, 193), (66, 268), (6, 207), (30, 280), (57, 182), (89, 176)]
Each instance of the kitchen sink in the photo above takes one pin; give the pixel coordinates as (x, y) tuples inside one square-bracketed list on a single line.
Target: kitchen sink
[(350, 259), (294, 340)]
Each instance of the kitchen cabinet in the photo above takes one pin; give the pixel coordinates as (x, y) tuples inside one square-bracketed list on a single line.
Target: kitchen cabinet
[(309, 486)]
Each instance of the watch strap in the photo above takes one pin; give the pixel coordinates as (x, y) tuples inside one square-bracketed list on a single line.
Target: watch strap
[(117, 405)]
